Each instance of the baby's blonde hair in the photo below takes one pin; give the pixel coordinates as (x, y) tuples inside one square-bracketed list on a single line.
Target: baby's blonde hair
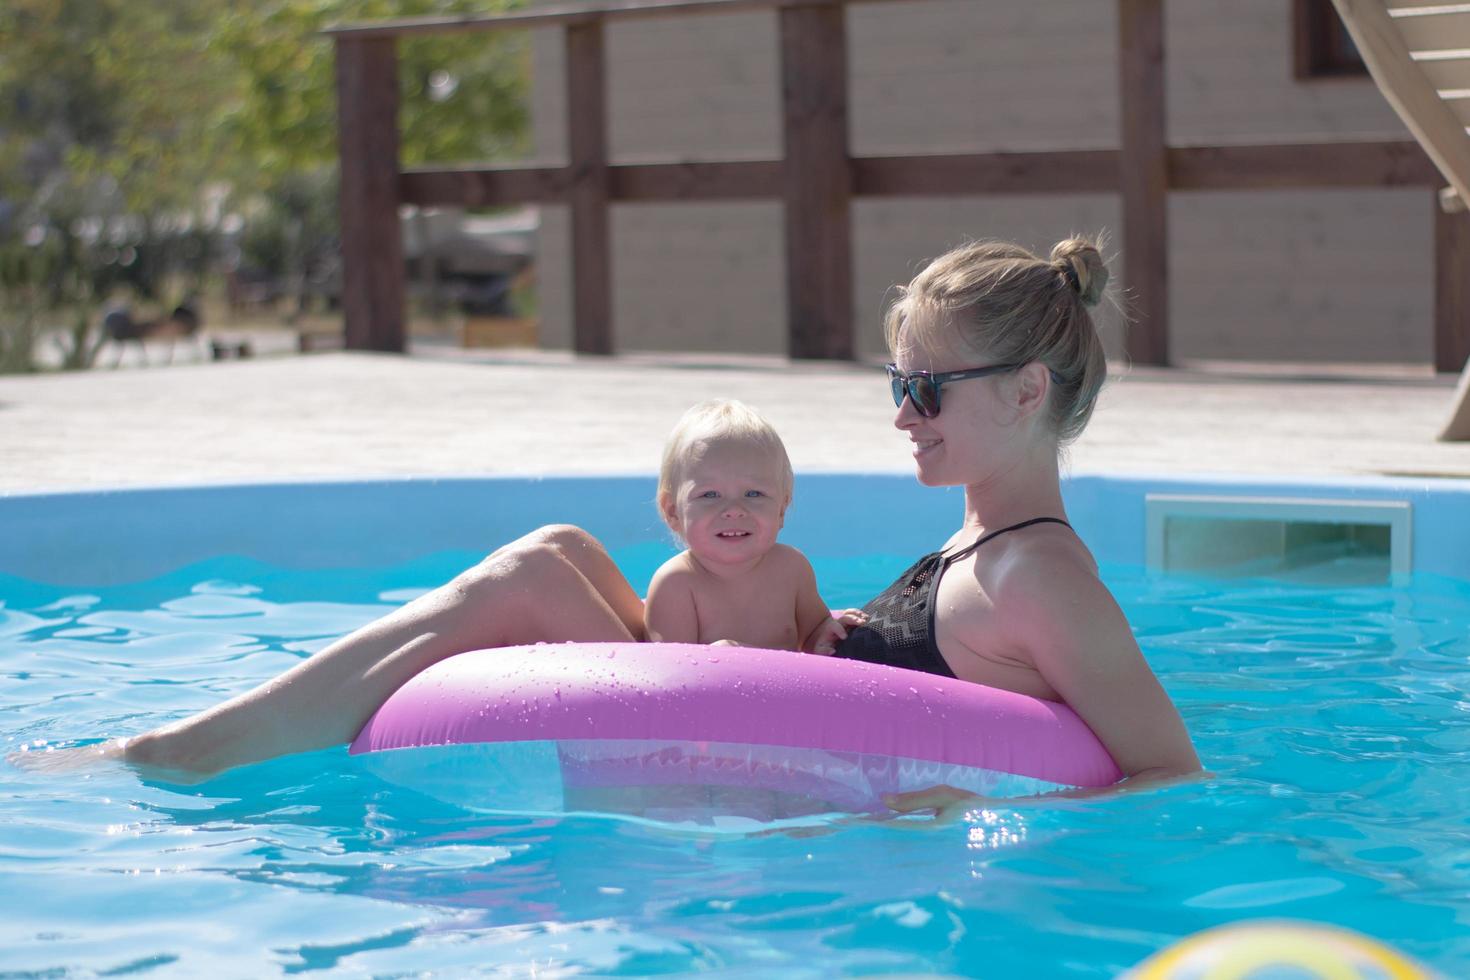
[(1014, 307), (717, 419)]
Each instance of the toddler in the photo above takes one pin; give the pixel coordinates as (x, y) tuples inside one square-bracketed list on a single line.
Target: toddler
[(723, 488)]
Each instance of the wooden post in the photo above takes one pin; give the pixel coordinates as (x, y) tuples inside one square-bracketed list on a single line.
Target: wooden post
[(817, 180), (588, 189), (1144, 178), (372, 240), (1451, 288)]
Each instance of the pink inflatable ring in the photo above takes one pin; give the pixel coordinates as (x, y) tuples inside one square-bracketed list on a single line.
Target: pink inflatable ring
[(669, 730)]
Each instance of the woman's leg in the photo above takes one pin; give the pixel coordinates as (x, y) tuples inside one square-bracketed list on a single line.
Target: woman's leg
[(555, 584)]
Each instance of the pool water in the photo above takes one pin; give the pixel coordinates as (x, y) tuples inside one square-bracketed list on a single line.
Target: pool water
[(1336, 720)]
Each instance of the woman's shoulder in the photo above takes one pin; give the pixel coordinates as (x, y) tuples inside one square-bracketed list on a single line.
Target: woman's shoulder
[(1037, 575), (1043, 551), (1048, 590)]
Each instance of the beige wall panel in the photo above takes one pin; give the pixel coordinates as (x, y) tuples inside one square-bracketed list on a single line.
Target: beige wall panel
[(691, 88), (554, 279), (699, 277), (894, 238), (1316, 276), (686, 277), (966, 75), (1230, 79), (696, 88), (548, 97)]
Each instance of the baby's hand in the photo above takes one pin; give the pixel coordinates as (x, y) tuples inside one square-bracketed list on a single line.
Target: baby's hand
[(824, 640)]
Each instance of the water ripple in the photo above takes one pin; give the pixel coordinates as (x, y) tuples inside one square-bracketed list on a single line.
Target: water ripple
[(1336, 719)]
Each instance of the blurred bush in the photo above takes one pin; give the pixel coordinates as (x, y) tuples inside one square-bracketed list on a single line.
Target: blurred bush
[(148, 151)]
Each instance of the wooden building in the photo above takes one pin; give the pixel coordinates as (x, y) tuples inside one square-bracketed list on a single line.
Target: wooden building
[(1315, 275), (755, 179)]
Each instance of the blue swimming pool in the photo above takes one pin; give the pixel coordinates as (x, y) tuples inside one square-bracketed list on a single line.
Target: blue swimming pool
[(1335, 716)]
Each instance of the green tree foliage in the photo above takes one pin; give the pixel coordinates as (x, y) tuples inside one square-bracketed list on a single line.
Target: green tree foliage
[(123, 124), (111, 92), (462, 95)]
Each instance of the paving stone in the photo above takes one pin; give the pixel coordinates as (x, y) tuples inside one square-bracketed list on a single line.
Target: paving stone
[(345, 415)]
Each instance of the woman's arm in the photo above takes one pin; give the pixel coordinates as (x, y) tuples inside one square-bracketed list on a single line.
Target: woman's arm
[(1079, 640), (1081, 643)]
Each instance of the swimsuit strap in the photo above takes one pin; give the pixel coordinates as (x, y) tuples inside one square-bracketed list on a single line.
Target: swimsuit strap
[(963, 552), (924, 569)]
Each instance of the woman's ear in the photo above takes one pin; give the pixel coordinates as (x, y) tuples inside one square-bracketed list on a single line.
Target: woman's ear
[(1032, 382)]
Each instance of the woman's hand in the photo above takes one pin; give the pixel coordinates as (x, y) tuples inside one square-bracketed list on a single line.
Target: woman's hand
[(824, 641), (948, 803)]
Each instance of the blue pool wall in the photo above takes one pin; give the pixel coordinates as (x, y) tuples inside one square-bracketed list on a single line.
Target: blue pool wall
[(115, 536)]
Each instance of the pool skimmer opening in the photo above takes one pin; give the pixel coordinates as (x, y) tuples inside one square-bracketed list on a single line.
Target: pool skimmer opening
[(1226, 535)]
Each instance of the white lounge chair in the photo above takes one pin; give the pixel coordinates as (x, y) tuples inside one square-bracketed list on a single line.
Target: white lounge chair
[(1418, 51)]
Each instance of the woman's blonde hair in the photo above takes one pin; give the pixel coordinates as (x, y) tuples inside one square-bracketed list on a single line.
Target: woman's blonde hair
[(716, 420), (1011, 306)]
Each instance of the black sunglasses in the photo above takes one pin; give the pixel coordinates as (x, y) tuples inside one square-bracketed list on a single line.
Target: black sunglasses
[(922, 387)]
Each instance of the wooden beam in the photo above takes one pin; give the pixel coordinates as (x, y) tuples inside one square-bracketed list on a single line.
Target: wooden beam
[(483, 187), (1409, 90), (817, 182), (1382, 163), (372, 239), (1303, 42), (1056, 172), (698, 181), (1457, 425), (588, 191), (1144, 178), (1451, 288), (567, 15)]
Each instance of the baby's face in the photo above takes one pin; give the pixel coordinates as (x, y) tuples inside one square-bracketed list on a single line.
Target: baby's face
[(729, 502)]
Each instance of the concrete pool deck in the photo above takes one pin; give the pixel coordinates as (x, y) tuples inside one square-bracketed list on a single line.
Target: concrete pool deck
[(345, 415)]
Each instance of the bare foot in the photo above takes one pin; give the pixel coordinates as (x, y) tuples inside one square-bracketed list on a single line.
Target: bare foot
[(49, 759)]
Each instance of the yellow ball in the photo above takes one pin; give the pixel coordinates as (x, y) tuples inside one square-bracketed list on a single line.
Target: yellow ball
[(1278, 951)]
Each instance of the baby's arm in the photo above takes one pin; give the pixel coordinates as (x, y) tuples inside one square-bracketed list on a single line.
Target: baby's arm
[(668, 612), (820, 632)]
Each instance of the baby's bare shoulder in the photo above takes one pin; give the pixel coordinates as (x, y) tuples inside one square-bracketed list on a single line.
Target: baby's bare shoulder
[(677, 570), (784, 558)]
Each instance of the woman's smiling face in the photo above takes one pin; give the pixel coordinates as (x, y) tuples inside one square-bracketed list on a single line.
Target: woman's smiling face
[(729, 501), (961, 444)]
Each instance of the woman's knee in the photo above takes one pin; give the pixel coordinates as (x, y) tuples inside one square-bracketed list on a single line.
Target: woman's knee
[(568, 539), (536, 589), (536, 559)]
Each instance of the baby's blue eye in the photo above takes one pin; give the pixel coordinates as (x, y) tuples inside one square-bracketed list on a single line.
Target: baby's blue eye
[(709, 493), (754, 493)]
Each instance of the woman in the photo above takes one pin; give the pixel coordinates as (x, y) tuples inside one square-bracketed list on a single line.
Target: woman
[(997, 368)]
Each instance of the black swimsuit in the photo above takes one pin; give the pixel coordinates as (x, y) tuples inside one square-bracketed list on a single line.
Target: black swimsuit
[(900, 627)]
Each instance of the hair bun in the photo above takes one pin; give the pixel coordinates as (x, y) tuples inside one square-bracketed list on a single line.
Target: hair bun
[(1081, 264)]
